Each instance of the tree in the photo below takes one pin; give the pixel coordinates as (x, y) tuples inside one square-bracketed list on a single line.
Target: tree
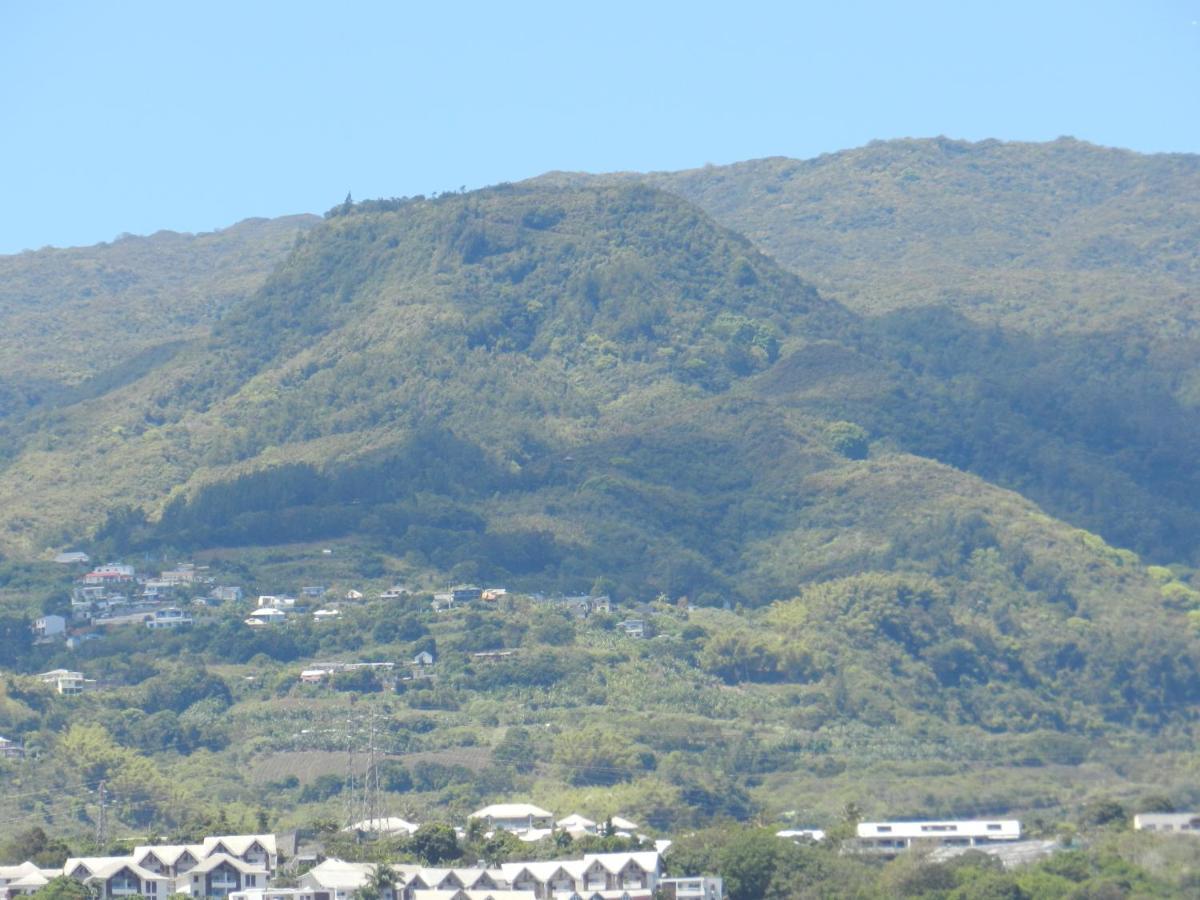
[(380, 880), (35, 846), (848, 439), (62, 888), (593, 755), (435, 844), (501, 847), (747, 863)]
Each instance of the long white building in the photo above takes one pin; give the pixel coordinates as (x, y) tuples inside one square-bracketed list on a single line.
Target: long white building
[(893, 837)]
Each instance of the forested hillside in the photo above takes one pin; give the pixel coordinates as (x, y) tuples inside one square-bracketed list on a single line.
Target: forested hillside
[(560, 385), (72, 315), (591, 384), (1049, 289), (1044, 238)]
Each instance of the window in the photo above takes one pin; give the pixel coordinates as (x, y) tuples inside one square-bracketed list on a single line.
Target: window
[(992, 827), (886, 828)]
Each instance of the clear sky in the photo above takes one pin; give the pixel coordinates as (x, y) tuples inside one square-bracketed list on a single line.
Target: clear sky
[(132, 116)]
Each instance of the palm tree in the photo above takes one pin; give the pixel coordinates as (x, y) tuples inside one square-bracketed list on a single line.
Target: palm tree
[(380, 881)]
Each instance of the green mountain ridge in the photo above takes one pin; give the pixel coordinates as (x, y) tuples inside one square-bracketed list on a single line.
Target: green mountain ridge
[(595, 385), (71, 314), (1048, 288)]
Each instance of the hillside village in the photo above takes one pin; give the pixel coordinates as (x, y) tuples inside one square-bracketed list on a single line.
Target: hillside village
[(115, 595)]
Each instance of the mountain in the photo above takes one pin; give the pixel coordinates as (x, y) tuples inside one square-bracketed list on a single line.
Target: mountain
[(1049, 289), (84, 317), (574, 385), (1042, 238)]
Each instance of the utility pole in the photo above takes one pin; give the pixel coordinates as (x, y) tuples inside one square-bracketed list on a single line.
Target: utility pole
[(371, 776), (102, 818), (348, 792)]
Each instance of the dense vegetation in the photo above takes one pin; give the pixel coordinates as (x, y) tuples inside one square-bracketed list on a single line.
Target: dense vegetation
[(81, 321), (571, 387), (1048, 289)]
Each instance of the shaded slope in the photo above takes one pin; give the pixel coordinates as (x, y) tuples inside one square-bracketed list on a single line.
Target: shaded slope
[(1065, 367)]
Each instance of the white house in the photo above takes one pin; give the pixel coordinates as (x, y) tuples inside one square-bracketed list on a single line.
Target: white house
[(24, 879), (113, 573), (516, 817), (10, 749), (171, 860), (1177, 823), (464, 894), (219, 875), (891, 837), (576, 825), (66, 682), (338, 879), (384, 825), (266, 616), (184, 573), (610, 874), (270, 601), (702, 887), (168, 617), (117, 876), (256, 849), (72, 558), (279, 894), (802, 835), (634, 628)]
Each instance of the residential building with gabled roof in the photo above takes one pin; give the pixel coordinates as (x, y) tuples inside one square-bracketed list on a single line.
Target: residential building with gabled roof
[(577, 826), (256, 849), (117, 877), (700, 887), (636, 873), (279, 894), (339, 879), (25, 878), (219, 875), (168, 859), (514, 816), (382, 825)]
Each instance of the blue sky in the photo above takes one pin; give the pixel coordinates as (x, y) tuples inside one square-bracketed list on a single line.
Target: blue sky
[(132, 117)]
